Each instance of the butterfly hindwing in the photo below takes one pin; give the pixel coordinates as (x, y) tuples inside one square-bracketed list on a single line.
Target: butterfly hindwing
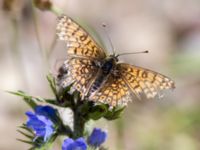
[(114, 91), (79, 72)]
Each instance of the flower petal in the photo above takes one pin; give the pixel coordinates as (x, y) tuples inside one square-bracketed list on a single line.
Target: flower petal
[(67, 143), (97, 137), (70, 144), (40, 122), (46, 111)]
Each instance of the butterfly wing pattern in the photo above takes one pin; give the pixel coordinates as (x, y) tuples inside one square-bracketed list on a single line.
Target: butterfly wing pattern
[(79, 72), (84, 60), (79, 42), (141, 80), (114, 92), (127, 81), (82, 51)]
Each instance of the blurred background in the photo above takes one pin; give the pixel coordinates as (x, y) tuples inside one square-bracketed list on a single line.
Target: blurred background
[(169, 29)]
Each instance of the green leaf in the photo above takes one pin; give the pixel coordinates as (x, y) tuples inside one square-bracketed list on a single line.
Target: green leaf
[(26, 134), (114, 113), (24, 141), (26, 128), (65, 90), (64, 98), (51, 101), (52, 83), (18, 93), (30, 100), (98, 111), (65, 103)]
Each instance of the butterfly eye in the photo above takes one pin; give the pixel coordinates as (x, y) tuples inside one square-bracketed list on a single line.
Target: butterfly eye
[(116, 59)]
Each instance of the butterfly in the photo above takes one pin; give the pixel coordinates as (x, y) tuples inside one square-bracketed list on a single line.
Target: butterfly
[(100, 77)]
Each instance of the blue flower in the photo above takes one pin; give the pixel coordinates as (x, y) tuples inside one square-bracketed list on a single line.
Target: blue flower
[(47, 111), (41, 121), (78, 144), (97, 137)]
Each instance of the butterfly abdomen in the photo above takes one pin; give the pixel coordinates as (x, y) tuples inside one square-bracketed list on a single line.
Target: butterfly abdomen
[(105, 70), (97, 83)]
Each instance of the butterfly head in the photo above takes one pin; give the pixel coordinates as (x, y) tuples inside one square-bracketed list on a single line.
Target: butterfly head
[(113, 58)]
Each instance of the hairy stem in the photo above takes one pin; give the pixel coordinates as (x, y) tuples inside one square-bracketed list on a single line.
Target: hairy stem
[(79, 125), (79, 122)]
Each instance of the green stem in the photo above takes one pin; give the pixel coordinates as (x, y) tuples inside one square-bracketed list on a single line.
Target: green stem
[(65, 130), (79, 124), (79, 121)]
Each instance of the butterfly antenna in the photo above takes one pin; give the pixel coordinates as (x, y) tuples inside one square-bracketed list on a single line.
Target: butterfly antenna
[(109, 39), (133, 53)]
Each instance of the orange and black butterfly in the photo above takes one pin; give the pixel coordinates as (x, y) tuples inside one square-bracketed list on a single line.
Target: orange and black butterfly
[(100, 77)]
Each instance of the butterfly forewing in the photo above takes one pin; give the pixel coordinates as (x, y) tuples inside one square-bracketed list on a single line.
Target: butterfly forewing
[(145, 81), (79, 42)]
